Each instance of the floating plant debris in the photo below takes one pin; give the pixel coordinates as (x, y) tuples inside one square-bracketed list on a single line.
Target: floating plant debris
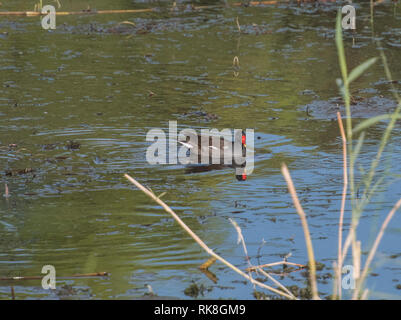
[(18, 172), (73, 145)]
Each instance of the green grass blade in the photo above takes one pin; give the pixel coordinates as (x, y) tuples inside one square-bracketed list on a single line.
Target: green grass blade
[(372, 121), (355, 73), (358, 147), (340, 47)]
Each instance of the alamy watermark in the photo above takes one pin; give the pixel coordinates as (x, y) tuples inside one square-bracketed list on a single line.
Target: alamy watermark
[(349, 20), (49, 20), (348, 281), (49, 280)]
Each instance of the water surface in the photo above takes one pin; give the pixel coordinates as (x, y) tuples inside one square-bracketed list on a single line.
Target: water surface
[(103, 86)]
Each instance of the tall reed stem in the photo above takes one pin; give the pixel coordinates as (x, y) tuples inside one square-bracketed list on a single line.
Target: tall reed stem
[(344, 195), (302, 216)]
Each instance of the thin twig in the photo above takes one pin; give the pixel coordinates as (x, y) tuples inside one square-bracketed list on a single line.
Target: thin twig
[(238, 25), (365, 294), (6, 191), (275, 281), (241, 240), (286, 273), (275, 264), (309, 246), (64, 13), (95, 274), (198, 240), (67, 13)]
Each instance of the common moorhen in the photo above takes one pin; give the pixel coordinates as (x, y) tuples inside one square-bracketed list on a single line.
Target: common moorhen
[(217, 151)]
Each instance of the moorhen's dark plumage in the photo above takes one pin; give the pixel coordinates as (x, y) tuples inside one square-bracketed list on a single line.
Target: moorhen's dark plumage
[(204, 151)]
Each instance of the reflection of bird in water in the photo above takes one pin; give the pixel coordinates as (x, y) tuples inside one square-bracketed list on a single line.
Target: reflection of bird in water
[(205, 147)]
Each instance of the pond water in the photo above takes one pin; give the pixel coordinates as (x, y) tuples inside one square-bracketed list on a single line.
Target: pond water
[(77, 102)]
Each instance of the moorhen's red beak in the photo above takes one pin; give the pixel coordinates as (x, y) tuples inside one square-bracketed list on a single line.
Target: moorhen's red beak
[(241, 177), (243, 139)]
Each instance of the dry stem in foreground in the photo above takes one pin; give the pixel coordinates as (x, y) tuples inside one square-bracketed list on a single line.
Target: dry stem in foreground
[(151, 195)]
